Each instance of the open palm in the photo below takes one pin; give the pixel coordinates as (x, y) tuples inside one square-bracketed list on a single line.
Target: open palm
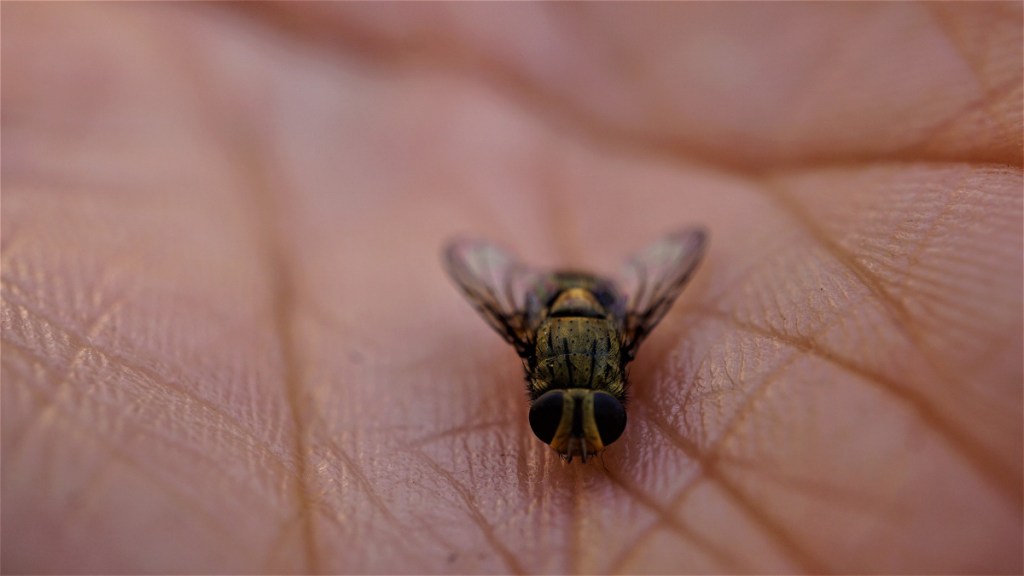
[(229, 345)]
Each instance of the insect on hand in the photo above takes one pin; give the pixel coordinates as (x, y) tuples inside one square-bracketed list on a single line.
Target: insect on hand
[(575, 332)]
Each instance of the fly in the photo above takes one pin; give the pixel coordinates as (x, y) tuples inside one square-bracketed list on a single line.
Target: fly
[(576, 332)]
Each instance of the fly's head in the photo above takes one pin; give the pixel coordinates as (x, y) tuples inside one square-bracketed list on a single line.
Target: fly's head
[(577, 421)]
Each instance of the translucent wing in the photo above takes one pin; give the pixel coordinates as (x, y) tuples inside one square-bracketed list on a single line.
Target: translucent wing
[(653, 279), (497, 285)]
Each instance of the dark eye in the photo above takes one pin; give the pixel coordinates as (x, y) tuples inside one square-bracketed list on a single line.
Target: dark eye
[(546, 414), (610, 417)]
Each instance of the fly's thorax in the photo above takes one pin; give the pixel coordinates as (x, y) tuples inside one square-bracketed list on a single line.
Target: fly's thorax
[(579, 350), (576, 302)]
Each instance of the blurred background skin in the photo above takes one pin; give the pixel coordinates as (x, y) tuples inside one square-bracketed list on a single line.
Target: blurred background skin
[(229, 346)]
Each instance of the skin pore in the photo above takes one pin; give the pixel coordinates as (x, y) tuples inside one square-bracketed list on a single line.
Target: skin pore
[(229, 345)]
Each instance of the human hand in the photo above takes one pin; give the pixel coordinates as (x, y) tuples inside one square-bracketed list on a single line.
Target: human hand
[(229, 346)]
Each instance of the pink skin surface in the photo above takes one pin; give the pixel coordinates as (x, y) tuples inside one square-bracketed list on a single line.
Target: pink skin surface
[(229, 345)]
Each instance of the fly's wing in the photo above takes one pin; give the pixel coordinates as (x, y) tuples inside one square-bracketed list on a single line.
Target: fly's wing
[(497, 285), (653, 279)]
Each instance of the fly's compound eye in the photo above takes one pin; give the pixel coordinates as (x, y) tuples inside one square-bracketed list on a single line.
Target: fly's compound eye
[(546, 415), (609, 416)]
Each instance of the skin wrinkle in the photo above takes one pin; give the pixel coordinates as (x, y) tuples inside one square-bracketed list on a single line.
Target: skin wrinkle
[(708, 459), (988, 464), (932, 302), (674, 328), (719, 554), (895, 308), (256, 164), (576, 525), (636, 547), (847, 499), (365, 484), (915, 152), (23, 297), (748, 402), (227, 422), (472, 510), (989, 94), (710, 363), (913, 268), (284, 291), (772, 528), (183, 499), (708, 463), (32, 357), (138, 431), (104, 313), (711, 456), (13, 287), (459, 430)]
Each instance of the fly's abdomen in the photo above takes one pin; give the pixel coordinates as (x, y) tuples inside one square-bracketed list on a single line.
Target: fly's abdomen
[(577, 352)]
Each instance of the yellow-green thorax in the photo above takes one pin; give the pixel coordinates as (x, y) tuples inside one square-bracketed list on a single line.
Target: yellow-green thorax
[(577, 347)]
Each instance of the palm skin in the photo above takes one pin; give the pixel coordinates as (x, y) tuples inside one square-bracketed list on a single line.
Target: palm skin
[(229, 345)]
